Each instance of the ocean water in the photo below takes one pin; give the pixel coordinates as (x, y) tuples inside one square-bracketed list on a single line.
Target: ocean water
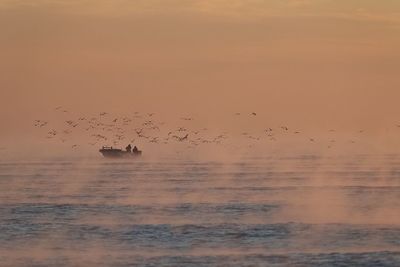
[(303, 210)]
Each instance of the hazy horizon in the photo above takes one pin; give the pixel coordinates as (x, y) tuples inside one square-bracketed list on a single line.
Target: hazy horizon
[(268, 130), (313, 64)]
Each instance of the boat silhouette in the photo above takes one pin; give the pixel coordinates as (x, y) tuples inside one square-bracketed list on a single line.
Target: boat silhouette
[(110, 152)]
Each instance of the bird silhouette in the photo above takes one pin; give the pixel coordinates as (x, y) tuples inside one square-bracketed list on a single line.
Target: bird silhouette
[(180, 139)]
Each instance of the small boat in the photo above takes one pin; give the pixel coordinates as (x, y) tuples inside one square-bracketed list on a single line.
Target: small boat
[(110, 152)]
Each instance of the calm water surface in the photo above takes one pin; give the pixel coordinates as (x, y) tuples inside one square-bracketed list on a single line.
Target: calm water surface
[(279, 211)]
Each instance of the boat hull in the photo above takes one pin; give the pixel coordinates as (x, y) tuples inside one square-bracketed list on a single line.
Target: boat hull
[(118, 153)]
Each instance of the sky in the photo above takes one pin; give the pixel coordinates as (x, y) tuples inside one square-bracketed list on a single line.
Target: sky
[(309, 63)]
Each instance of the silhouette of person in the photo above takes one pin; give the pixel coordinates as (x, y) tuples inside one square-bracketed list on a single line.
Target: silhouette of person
[(135, 149), (129, 148)]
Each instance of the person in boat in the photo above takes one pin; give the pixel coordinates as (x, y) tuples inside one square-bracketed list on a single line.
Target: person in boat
[(128, 148), (135, 149)]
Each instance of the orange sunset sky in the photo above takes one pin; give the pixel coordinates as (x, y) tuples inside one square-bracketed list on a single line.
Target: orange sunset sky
[(311, 63)]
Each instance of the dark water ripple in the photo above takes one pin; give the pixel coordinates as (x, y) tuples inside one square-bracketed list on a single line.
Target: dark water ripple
[(274, 211)]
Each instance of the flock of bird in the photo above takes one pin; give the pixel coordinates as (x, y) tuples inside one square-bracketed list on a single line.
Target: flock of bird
[(105, 129), (141, 128)]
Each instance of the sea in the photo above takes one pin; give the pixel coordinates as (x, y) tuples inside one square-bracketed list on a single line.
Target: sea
[(287, 210)]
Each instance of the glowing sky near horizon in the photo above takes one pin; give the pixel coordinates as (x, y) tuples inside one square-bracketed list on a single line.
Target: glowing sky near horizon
[(310, 62)]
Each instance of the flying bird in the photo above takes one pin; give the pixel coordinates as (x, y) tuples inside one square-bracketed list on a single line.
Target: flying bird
[(180, 139)]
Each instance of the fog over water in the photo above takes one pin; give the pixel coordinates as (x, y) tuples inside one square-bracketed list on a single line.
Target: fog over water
[(297, 210), (269, 129)]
